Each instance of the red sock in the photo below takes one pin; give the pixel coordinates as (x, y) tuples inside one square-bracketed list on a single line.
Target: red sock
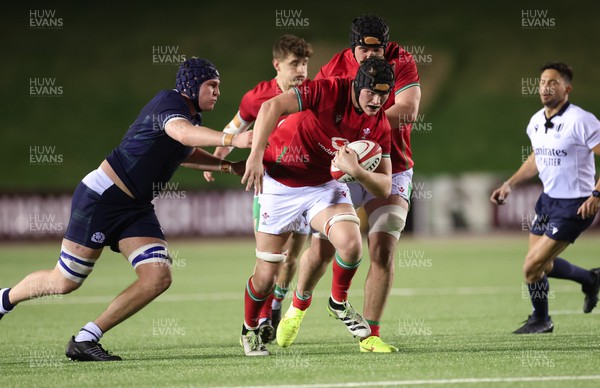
[(301, 304), (374, 327), (265, 311), (253, 302), (342, 278)]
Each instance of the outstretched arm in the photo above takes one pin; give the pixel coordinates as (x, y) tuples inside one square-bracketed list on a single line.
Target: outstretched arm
[(235, 126), (205, 161), (269, 113), (527, 171), (192, 135)]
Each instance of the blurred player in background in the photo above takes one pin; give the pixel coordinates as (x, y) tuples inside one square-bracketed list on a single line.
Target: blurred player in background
[(369, 36), (564, 139), (298, 189), (112, 205), (290, 60)]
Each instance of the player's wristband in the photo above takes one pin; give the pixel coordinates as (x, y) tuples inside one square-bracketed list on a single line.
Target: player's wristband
[(225, 167), (227, 139), (596, 194)]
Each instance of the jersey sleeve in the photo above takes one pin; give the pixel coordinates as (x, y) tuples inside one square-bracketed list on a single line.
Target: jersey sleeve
[(588, 130), (248, 109), (172, 106), (311, 93), (405, 72)]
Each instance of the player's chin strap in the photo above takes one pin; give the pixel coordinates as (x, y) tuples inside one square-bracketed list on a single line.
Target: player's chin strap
[(272, 257), (389, 219), (347, 216), (150, 253)]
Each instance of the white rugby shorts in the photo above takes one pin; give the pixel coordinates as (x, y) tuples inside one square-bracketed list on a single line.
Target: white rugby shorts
[(401, 185), (280, 209)]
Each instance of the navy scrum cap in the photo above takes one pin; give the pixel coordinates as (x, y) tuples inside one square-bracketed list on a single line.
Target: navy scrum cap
[(375, 74), (191, 74), (369, 31)]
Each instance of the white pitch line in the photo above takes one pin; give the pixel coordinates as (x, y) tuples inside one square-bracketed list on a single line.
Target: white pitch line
[(431, 381), (224, 296)]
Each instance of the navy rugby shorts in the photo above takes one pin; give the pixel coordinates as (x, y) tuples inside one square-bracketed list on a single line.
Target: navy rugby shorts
[(558, 218), (99, 220)]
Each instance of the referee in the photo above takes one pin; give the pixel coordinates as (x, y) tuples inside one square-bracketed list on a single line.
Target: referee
[(564, 139)]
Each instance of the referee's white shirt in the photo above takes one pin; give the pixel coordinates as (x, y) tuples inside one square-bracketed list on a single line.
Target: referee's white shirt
[(563, 152)]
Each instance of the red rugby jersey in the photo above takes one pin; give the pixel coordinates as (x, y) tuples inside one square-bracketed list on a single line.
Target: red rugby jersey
[(300, 149), (345, 65)]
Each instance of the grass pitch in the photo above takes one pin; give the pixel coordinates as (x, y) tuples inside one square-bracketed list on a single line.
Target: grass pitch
[(451, 313)]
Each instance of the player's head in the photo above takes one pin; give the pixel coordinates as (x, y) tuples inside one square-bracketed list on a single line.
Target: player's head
[(372, 85), (369, 35), (290, 60), (555, 83), (192, 80)]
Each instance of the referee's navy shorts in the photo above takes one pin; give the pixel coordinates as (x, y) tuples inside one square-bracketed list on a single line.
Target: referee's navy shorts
[(558, 218), (99, 220)]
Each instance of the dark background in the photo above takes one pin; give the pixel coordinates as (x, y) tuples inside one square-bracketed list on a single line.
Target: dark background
[(475, 56)]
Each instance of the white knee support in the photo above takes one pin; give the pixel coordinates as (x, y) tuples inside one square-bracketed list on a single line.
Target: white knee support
[(271, 257), (340, 217), (73, 267), (389, 219), (150, 253)]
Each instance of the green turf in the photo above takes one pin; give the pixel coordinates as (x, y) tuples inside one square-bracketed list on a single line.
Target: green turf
[(454, 304)]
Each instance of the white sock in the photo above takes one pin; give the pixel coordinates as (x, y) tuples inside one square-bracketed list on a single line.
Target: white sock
[(90, 332), (261, 320), (276, 305)]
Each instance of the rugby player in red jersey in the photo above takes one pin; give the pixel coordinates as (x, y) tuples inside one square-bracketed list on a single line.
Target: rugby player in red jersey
[(369, 37), (290, 60), (295, 186)]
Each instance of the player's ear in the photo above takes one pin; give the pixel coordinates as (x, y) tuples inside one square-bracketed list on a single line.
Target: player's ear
[(569, 88), (276, 64)]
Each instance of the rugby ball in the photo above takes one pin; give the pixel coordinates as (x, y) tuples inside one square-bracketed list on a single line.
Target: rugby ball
[(369, 156)]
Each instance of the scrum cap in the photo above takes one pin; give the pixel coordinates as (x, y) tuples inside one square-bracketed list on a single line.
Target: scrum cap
[(375, 74), (369, 31), (191, 74)]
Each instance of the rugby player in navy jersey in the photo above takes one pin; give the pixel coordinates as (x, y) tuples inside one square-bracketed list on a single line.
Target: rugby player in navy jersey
[(564, 139), (112, 205)]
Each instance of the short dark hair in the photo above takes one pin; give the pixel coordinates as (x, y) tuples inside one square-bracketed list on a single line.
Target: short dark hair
[(565, 70), (291, 44)]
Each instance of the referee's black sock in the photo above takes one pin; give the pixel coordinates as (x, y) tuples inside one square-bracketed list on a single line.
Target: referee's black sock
[(538, 293), (564, 270)]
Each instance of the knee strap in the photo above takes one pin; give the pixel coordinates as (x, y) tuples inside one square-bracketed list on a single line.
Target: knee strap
[(389, 219), (73, 267), (271, 257), (340, 217), (150, 253)]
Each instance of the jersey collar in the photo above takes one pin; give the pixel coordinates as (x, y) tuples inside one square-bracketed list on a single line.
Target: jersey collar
[(549, 123)]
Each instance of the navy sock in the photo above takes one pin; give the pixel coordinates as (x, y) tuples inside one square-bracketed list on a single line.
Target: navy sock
[(6, 305), (538, 292), (564, 270)]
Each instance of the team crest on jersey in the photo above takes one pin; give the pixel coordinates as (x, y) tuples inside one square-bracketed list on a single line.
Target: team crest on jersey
[(98, 237), (366, 132), (338, 142)]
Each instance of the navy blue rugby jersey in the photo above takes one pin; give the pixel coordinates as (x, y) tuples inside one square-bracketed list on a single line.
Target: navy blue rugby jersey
[(147, 157)]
